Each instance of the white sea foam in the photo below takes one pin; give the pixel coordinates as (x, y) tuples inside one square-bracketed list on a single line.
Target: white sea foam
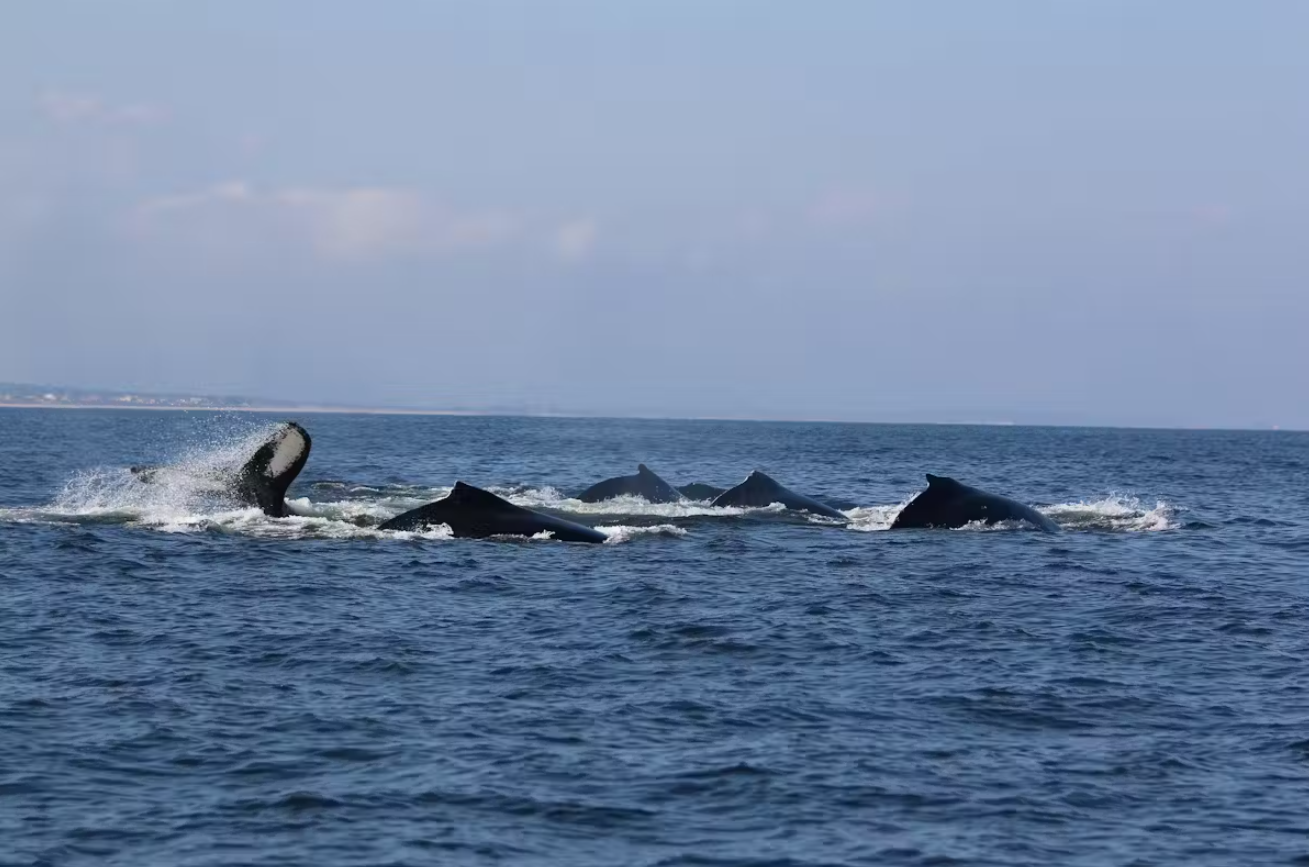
[(619, 533), (194, 483), (550, 498), (870, 519), (253, 522), (1115, 512), (359, 511)]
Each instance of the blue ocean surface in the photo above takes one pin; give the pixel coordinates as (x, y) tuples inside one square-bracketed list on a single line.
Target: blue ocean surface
[(184, 681)]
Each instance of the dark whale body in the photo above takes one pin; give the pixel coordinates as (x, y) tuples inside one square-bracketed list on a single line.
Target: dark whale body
[(700, 491), (646, 483), (472, 513), (262, 480), (266, 476), (951, 504), (761, 490)]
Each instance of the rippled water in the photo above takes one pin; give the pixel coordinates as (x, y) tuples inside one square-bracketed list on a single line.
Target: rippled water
[(186, 682)]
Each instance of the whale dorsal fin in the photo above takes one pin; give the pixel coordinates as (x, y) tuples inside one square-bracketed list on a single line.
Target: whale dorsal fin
[(643, 470), (466, 494), (943, 484)]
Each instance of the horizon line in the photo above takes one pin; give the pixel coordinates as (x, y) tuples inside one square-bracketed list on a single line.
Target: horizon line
[(486, 413)]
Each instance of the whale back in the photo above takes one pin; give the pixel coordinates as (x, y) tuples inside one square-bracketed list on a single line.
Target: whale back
[(700, 491), (655, 489), (760, 489), (646, 484), (951, 504), (931, 507), (473, 513)]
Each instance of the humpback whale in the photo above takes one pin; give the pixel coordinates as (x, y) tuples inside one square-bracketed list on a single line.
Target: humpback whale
[(947, 503), (700, 491), (472, 513), (266, 476), (761, 490), (263, 479), (644, 484)]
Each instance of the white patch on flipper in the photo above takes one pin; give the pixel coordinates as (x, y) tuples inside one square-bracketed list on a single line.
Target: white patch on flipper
[(288, 450)]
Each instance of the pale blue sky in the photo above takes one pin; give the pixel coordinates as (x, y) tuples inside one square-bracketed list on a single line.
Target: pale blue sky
[(1085, 211)]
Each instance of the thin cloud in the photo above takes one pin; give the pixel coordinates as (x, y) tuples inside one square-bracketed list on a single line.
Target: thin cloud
[(355, 223), (575, 240), (68, 108)]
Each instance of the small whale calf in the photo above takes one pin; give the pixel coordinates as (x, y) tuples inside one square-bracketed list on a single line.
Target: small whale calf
[(951, 504)]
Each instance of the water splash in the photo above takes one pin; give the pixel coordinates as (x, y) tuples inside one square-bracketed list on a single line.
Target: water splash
[(620, 533), (194, 484), (1116, 512), (550, 498), (871, 519)]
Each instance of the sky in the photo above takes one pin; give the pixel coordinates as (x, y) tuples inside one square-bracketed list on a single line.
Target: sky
[(1072, 212)]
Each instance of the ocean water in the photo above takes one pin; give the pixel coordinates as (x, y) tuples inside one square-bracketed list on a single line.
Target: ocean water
[(186, 682)]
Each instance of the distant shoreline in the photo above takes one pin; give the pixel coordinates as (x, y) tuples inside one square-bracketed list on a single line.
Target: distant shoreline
[(308, 410), (470, 413)]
